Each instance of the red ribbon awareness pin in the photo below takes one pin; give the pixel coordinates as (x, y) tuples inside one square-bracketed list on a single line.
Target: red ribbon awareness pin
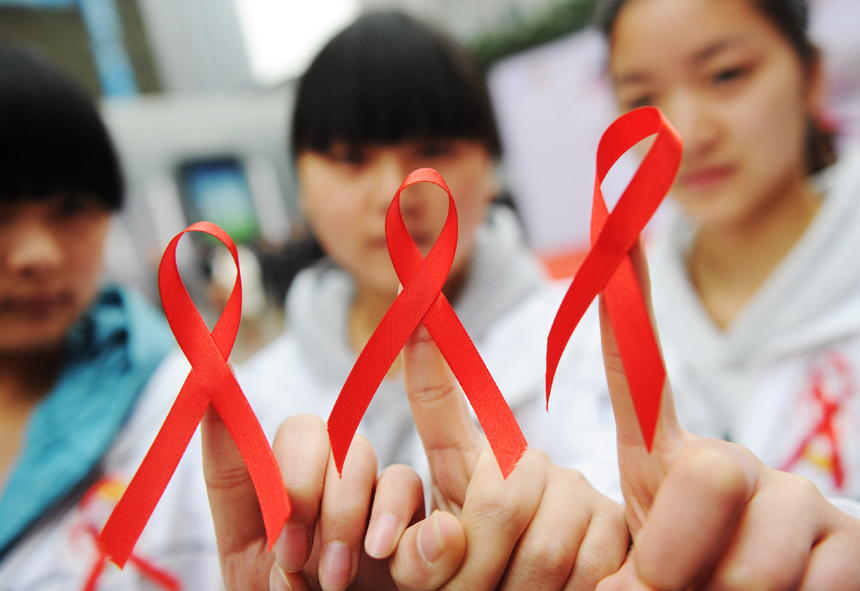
[(210, 382), (422, 300), (608, 269)]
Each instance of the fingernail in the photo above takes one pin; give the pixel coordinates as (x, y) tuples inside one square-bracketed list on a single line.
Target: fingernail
[(278, 579), (336, 567), (292, 548), (381, 536), (430, 544)]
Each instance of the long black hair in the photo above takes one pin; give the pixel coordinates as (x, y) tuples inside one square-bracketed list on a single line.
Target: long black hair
[(388, 78), (791, 17), (52, 140)]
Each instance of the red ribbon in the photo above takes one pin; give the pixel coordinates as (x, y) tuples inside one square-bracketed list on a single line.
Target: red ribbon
[(608, 268), (210, 381), (837, 368), (158, 577), (422, 300)]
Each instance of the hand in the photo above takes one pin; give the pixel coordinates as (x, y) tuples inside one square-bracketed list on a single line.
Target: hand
[(543, 528), (328, 512), (707, 514)]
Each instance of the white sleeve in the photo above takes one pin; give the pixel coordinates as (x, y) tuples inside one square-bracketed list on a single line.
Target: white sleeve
[(579, 427), (849, 506)]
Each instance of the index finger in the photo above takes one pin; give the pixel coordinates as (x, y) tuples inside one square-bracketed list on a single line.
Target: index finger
[(451, 439), (668, 433)]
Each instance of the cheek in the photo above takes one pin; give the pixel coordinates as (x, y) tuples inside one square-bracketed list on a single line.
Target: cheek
[(87, 256), (771, 124)]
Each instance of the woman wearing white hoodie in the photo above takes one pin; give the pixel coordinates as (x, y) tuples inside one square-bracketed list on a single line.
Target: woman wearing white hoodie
[(756, 280)]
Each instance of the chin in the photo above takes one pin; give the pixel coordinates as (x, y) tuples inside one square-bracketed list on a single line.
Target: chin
[(32, 340)]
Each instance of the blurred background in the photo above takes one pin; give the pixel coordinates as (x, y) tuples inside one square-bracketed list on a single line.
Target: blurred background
[(197, 95)]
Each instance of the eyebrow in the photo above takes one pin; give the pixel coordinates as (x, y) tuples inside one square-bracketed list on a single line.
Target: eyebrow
[(700, 56)]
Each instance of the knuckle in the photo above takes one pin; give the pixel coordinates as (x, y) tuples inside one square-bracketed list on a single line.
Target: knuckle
[(433, 393), (711, 466), (761, 575), (552, 560), (495, 508), (589, 569), (227, 478)]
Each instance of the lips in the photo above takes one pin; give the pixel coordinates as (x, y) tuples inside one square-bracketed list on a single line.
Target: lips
[(706, 177), (36, 305)]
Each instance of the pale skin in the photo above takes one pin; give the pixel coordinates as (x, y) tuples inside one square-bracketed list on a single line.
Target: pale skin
[(50, 262), (741, 97)]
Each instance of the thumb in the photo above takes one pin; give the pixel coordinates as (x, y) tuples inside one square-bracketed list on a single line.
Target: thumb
[(451, 440), (429, 553)]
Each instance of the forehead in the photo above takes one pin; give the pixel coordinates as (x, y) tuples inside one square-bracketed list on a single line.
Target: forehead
[(653, 35)]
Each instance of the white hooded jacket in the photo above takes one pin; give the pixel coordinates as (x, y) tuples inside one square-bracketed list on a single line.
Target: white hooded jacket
[(506, 305), (783, 378)]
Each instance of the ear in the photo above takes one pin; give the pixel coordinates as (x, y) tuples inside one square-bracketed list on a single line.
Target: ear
[(493, 181), (816, 84)]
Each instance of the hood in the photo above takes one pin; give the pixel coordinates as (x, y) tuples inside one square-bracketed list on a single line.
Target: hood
[(812, 297)]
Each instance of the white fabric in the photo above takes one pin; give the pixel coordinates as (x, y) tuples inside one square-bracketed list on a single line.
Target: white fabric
[(753, 382), (58, 554), (506, 305)]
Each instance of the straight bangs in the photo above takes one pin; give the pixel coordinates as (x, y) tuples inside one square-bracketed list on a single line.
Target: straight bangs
[(386, 79), (52, 139)]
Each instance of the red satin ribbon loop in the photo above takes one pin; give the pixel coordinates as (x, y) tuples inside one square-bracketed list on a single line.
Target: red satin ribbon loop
[(608, 268), (422, 300), (210, 382)]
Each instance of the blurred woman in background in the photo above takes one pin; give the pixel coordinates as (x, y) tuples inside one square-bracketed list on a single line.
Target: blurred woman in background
[(85, 375), (756, 282), (384, 97)]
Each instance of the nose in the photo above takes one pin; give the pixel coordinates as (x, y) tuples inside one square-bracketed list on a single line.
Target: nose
[(696, 121), (390, 170), (33, 251)]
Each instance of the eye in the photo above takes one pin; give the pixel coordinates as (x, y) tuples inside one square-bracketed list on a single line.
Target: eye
[(73, 205), (645, 100), (435, 149), (346, 154), (727, 75)]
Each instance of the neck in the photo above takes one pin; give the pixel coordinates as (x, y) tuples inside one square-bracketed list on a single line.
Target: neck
[(24, 381), (727, 264)]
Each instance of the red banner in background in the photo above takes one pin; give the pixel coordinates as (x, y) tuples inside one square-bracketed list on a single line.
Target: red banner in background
[(422, 300), (210, 382), (608, 268)]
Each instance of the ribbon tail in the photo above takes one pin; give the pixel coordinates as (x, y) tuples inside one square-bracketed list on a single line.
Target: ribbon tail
[(95, 573), (159, 577), (357, 392), (372, 364), (570, 312), (637, 346), (131, 514), (245, 429), (496, 418)]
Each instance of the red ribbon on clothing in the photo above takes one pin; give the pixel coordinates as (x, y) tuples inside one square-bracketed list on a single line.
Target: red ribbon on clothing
[(831, 401), (422, 300), (156, 576), (608, 268), (210, 382)]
